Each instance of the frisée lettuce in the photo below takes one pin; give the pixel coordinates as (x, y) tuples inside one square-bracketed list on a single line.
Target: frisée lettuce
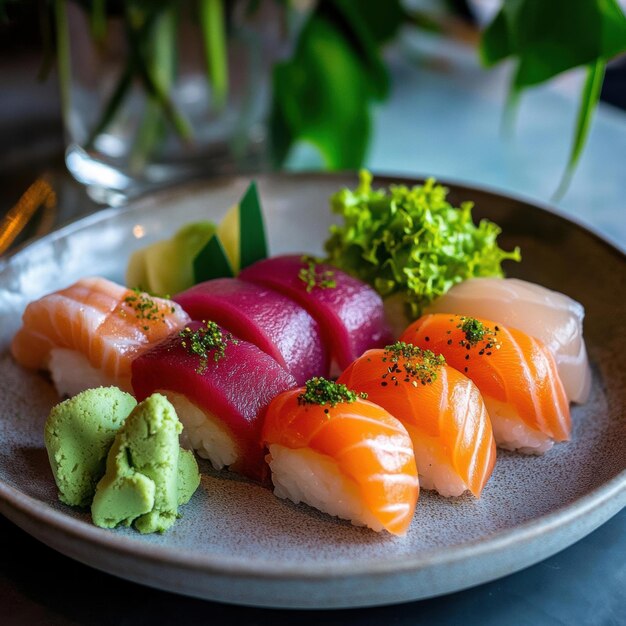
[(409, 242)]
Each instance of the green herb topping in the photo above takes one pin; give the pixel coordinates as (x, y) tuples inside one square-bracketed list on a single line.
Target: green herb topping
[(476, 331), (146, 308), (473, 330), (411, 241), (206, 340), (320, 391), (313, 277), (410, 363)]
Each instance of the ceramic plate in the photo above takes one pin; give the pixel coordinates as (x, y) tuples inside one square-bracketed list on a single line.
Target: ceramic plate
[(236, 542)]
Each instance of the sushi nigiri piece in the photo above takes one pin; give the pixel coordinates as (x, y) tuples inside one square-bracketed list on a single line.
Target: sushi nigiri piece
[(88, 334), (349, 312), (343, 455), (441, 409), (550, 316), (219, 386), (264, 317), (515, 373)]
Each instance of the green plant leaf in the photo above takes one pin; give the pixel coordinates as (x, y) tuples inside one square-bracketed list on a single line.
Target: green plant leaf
[(547, 38), (322, 96), (588, 101), (494, 44), (357, 29), (383, 19)]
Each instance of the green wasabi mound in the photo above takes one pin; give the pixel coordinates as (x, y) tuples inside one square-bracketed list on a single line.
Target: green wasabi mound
[(78, 434), (147, 474)]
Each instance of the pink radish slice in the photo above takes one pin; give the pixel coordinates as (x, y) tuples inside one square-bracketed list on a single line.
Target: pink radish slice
[(350, 314), (235, 390), (276, 324)]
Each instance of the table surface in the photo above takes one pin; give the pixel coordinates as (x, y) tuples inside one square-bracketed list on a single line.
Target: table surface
[(441, 120)]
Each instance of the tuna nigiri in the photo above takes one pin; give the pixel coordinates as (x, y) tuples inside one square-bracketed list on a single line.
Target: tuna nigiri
[(266, 318), (343, 455), (552, 317), (349, 312), (515, 373), (219, 386), (88, 334), (441, 409)]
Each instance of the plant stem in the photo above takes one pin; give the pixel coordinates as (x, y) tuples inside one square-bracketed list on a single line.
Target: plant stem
[(162, 51), (98, 20), (212, 26), (588, 102), (110, 110), (135, 37)]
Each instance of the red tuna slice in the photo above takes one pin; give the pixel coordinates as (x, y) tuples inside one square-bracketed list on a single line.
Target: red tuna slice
[(350, 314), (234, 391), (264, 317)]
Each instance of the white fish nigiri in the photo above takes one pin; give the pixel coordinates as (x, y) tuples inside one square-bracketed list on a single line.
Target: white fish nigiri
[(550, 316)]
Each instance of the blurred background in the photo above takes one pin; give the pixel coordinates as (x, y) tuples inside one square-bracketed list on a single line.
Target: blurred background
[(131, 95)]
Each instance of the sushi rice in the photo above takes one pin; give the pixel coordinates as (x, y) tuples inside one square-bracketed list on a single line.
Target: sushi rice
[(203, 432), (304, 475)]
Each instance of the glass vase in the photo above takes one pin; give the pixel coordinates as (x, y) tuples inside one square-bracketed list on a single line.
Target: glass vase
[(156, 91)]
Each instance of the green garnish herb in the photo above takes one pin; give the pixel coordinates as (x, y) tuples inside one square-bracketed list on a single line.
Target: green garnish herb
[(476, 332), (313, 277), (410, 363), (145, 307), (473, 330), (206, 340), (411, 241), (320, 391)]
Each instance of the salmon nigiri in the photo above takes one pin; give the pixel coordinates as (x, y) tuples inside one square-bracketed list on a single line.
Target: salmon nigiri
[(550, 316), (441, 409), (516, 375), (88, 334), (334, 450)]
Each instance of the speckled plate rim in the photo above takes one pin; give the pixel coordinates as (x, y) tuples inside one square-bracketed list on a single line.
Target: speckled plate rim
[(589, 511)]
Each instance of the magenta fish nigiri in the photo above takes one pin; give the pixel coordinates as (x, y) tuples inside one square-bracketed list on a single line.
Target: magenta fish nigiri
[(264, 317), (219, 397), (349, 312)]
